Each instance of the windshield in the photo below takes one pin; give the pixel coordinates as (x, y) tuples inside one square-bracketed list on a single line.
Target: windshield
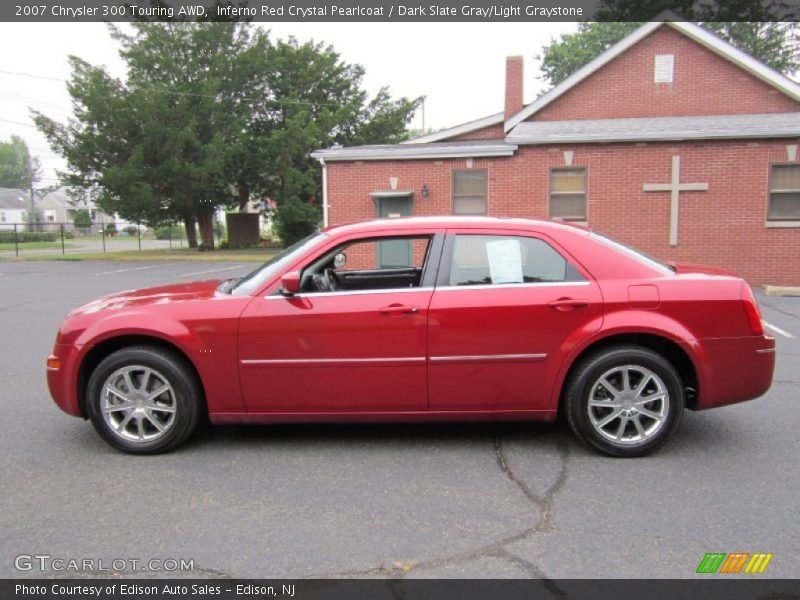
[(634, 254), (249, 283)]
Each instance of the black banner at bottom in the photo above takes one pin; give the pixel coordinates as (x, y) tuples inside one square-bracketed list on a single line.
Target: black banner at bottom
[(398, 589)]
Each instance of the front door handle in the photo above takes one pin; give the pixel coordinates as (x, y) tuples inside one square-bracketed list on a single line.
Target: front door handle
[(565, 304), (398, 309)]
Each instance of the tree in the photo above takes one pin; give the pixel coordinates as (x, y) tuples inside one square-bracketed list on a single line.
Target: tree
[(210, 115), (18, 169), (754, 27), (82, 219)]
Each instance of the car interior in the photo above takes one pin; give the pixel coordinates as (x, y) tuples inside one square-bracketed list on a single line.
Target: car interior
[(368, 265)]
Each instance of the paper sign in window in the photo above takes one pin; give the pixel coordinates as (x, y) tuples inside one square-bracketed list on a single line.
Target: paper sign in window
[(505, 261)]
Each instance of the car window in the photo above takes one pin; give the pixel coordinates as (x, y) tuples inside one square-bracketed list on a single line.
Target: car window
[(369, 264), (504, 259)]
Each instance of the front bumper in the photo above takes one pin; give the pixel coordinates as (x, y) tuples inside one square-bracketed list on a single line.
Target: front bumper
[(62, 378)]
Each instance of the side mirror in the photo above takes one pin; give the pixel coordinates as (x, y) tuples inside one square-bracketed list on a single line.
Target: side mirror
[(290, 283)]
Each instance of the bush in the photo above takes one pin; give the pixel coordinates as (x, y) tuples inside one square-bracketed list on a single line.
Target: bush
[(294, 220), (163, 232), (82, 219), (111, 229), (7, 237), (130, 229)]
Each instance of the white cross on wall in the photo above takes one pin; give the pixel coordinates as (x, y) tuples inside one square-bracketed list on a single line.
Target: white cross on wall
[(675, 187)]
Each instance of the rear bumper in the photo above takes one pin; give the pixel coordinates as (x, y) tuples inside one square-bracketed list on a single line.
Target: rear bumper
[(734, 369), (62, 381)]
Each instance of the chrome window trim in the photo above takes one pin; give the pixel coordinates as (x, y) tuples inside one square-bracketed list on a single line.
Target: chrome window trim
[(402, 290), (501, 286)]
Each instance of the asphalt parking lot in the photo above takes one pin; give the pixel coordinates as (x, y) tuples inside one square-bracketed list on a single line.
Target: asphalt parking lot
[(429, 501)]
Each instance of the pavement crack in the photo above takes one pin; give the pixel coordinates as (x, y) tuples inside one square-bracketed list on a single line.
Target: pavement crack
[(534, 571), (545, 503), (780, 310)]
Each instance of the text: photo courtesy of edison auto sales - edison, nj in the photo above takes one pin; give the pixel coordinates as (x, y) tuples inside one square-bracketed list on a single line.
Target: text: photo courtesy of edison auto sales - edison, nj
[(421, 319)]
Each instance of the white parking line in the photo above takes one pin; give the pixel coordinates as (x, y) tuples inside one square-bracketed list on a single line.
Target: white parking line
[(131, 269), (210, 271), (777, 330)]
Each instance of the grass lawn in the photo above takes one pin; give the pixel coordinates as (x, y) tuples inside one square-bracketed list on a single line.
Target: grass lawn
[(176, 254), (35, 245)]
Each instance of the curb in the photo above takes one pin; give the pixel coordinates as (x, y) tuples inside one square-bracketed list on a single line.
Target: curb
[(778, 290)]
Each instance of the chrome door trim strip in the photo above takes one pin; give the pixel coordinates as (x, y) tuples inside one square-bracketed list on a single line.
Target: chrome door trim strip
[(299, 362), (766, 350), (489, 358)]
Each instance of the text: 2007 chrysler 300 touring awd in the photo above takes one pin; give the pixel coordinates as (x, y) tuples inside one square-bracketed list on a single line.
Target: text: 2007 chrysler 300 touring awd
[(421, 319)]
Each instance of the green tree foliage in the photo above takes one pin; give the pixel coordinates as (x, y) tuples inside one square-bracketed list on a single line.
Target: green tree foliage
[(763, 30), (82, 218), (18, 169), (294, 220), (210, 115)]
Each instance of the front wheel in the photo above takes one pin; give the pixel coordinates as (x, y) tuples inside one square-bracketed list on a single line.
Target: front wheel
[(625, 401), (143, 400)]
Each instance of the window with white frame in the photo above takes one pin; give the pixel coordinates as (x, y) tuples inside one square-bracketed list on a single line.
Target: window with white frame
[(568, 193), (784, 193), (469, 192)]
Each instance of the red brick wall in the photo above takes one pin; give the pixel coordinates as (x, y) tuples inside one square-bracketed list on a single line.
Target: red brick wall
[(493, 132), (704, 84), (724, 226)]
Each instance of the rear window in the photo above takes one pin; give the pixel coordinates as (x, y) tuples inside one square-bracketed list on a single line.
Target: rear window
[(634, 254)]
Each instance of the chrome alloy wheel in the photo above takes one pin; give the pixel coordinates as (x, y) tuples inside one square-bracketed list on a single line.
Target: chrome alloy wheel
[(628, 404), (138, 403)]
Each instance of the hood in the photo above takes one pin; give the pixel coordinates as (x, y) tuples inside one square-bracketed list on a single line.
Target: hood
[(681, 268), (165, 294)]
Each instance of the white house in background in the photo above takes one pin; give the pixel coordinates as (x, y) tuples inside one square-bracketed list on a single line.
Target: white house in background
[(14, 204), (60, 206)]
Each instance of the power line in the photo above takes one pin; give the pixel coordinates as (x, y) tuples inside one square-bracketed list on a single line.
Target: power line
[(18, 123)]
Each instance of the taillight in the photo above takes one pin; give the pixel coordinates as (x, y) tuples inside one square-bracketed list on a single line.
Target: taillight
[(751, 310)]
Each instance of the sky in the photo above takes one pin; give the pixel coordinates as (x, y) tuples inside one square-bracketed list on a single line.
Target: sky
[(459, 67)]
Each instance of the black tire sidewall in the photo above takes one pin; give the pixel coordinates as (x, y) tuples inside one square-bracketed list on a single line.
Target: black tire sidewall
[(179, 377), (586, 375)]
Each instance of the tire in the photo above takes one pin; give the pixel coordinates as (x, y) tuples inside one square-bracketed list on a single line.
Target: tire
[(624, 419), (126, 408)]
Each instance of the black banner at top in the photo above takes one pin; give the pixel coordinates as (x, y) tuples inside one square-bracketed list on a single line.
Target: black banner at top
[(444, 11)]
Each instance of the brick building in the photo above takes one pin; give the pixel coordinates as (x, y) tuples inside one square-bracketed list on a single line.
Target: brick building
[(672, 141)]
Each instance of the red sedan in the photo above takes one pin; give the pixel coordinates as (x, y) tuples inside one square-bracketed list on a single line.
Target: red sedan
[(421, 319)]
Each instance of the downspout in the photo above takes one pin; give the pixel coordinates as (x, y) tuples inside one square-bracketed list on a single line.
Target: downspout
[(324, 192)]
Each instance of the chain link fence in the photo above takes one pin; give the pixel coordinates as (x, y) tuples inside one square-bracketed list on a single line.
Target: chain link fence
[(20, 239)]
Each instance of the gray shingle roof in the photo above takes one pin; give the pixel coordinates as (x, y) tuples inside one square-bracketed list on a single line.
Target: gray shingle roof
[(13, 199), (465, 149), (657, 129)]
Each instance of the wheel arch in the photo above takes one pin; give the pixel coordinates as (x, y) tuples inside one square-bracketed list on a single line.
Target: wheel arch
[(662, 345), (98, 352)]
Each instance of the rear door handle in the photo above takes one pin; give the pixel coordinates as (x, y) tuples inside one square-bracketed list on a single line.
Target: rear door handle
[(398, 309), (565, 304)]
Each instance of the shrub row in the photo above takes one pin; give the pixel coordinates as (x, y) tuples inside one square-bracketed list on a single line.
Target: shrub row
[(7, 237)]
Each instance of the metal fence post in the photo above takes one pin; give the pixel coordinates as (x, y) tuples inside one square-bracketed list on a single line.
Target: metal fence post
[(170, 236), (16, 240), (63, 248), (103, 229), (139, 233)]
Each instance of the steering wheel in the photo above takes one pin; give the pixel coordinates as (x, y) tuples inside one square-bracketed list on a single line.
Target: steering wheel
[(335, 281), (327, 281)]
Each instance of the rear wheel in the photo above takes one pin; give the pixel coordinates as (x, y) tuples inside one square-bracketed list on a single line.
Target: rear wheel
[(143, 400), (625, 401)]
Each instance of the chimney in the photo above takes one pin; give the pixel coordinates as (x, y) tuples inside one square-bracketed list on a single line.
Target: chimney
[(514, 71)]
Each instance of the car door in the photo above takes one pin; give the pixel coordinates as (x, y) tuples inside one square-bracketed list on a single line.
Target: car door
[(507, 306), (351, 350)]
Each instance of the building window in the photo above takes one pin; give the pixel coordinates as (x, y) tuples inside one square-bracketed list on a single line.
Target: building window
[(469, 192), (568, 194), (784, 193), (664, 68)]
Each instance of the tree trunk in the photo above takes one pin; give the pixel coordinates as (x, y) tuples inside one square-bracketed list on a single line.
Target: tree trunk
[(244, 196), (206, 222), (191, 232)]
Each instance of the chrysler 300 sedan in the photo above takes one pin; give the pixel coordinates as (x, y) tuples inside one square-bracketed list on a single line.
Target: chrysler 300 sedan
[(421, 319)]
